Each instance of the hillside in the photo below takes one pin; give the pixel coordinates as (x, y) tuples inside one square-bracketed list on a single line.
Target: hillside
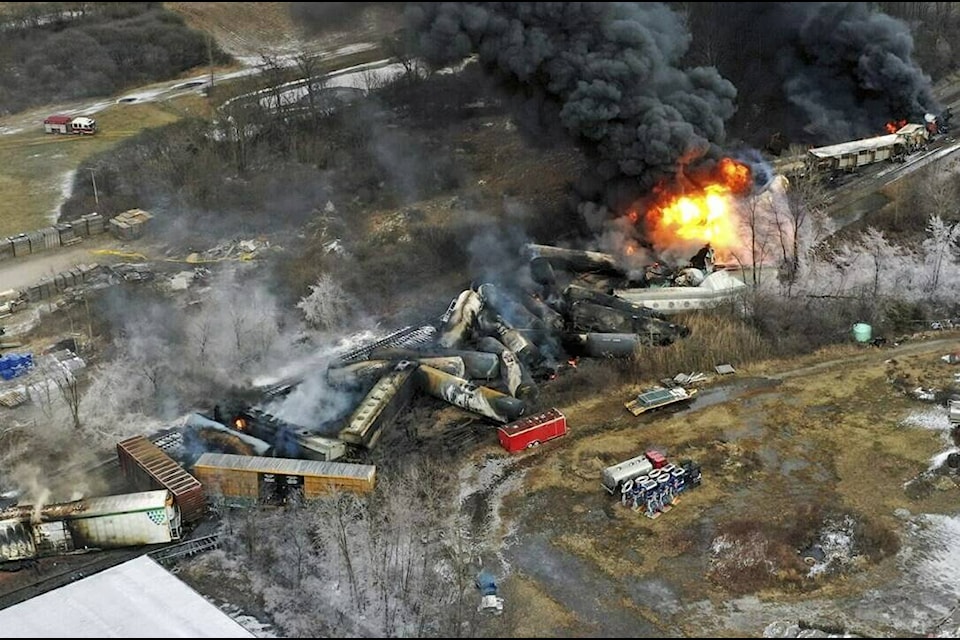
[(249, 29)]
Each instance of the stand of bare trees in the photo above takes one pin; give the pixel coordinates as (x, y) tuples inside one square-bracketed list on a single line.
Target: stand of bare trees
[(399, 562)]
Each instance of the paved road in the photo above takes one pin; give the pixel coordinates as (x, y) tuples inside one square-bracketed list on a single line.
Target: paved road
[(159, 91)]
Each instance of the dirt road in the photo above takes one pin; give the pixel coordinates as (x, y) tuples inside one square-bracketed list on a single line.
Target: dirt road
[(20, 273)]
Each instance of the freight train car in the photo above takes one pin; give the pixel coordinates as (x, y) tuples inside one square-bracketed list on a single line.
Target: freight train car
[(145, 466), (247, 480), (379, 408), (126, 520), (849, 156)]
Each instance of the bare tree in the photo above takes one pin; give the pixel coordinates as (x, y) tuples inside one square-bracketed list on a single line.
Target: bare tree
[(807, 203), (200, 330), (275, 76), (13, 445), (314, 82), (876, 247), (399, 46), (72, 395), (940, 237), (327, 305), (757, 226)]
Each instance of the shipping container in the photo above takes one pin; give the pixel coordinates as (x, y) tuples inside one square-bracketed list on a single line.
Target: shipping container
[(247, 480), (613, 478), (145, 467), (314, 447), (37, 241), (65, 231), (532, 431), (51, 237)]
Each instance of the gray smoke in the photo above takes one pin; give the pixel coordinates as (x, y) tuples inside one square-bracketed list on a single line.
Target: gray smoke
[(609, 73)]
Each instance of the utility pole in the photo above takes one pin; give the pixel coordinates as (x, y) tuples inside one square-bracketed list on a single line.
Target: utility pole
[(210, 62), (96, 195)]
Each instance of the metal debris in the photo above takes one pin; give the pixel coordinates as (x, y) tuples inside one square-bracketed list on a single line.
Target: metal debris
[(689, 378)]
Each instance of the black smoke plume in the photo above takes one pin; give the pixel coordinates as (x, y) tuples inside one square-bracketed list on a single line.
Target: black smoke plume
[(609, 74), (818, 72)]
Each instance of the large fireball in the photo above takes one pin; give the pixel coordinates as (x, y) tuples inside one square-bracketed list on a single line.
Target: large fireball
[(700, 211)]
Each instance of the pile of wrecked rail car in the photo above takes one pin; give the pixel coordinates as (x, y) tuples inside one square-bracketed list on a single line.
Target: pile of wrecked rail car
[(494, 345), (487, 355)]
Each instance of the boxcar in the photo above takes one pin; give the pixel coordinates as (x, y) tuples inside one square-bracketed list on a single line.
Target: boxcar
[(133, 519), (245, 480), (145, 466)]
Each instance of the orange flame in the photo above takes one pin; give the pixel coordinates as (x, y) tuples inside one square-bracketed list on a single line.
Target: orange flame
[(703, 212), (895, 125), (240, 424)]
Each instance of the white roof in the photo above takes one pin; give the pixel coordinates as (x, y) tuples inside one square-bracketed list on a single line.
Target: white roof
[(136, 599), (855, 146)]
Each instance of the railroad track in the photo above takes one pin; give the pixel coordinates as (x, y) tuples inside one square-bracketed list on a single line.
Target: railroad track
[(96, 561), (406, 337), (185, 549)]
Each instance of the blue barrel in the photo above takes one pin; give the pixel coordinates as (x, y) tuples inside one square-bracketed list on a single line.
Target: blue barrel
[(862, 332), (679, 479)]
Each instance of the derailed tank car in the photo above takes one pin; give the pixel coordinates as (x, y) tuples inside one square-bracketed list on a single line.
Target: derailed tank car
[(379, 408), (125, 520), (248, 480)]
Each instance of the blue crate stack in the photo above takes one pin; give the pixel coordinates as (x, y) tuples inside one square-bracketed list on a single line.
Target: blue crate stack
[(15, 364)]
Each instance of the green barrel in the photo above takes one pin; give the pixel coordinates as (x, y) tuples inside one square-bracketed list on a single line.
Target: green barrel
[(862, 332)]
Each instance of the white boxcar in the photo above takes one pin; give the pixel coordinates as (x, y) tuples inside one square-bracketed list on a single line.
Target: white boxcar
[(148, 517), (126, 520)]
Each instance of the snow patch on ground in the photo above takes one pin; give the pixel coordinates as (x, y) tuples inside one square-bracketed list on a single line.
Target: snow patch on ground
[(492, 476), (836, 543), (933, 418), (66, 190)]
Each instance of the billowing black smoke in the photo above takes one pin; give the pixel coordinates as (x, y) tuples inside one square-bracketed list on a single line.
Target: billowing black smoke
[(609, 73), (818, 72), (852, 70)]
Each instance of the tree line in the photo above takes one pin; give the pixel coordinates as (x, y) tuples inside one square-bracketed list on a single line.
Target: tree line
[(51, 52)]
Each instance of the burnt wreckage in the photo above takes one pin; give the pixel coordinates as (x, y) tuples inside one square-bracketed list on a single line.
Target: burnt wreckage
[(489, 350)]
